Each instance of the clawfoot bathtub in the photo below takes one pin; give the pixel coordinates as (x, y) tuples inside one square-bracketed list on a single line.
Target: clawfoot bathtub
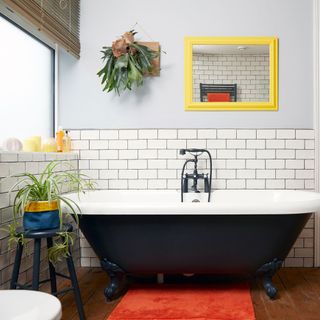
[(238, 232)]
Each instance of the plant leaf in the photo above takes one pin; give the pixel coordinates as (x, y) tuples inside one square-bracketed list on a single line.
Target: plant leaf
[(122, 73)]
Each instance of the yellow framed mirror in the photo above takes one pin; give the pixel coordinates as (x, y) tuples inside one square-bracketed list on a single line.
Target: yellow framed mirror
[(231, 73)]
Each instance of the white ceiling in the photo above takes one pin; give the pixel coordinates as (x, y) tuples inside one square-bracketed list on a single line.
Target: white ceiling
[(230, 49)]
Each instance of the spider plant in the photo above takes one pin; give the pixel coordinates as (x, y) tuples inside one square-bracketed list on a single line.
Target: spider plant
[(61, 246), (49, 186)]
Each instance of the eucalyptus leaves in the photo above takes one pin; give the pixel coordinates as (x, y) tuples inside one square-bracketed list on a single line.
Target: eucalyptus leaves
[(126, 62)]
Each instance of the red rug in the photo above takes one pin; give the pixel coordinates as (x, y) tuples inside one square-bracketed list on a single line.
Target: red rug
[(184, 302)]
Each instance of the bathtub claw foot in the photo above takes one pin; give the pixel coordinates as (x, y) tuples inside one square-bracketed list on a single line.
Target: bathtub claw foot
[(268, 270), (269, 287), (117, 285)]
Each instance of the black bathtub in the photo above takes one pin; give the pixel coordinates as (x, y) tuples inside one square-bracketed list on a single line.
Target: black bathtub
[(239, 232)]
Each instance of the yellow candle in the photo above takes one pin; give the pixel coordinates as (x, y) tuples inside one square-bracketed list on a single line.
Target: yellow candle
[(37, 140), (29, 145), (49, 145)]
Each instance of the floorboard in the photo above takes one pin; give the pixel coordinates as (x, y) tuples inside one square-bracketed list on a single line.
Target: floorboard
[(298, 296)]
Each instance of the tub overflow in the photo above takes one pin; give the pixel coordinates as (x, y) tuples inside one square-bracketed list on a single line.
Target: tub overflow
[(195, 200)]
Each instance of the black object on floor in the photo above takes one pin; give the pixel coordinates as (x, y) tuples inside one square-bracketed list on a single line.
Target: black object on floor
[(38, 235)]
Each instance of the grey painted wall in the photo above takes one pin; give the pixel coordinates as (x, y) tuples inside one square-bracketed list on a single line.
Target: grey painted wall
[(160, 103)]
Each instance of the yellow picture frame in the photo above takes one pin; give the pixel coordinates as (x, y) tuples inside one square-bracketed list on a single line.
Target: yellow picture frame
[(271, 105)]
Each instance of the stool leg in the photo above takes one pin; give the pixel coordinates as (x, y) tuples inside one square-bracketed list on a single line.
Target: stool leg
[(76, 289), (52, 270), (36, 264), (16, 266)]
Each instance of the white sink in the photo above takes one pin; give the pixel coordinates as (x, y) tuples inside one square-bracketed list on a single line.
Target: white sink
[(28, 305)]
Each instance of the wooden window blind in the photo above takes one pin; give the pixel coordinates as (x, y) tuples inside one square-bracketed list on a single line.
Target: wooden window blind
[(58, 19)]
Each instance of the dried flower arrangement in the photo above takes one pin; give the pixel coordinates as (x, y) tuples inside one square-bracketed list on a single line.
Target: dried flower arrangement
[(126, 63)]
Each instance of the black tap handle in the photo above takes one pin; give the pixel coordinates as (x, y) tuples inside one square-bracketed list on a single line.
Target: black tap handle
[(192, 150)]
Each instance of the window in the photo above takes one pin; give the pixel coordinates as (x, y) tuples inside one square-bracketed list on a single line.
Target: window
[(26, 84)]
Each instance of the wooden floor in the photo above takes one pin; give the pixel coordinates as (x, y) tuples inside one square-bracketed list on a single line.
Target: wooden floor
[(298, 297)]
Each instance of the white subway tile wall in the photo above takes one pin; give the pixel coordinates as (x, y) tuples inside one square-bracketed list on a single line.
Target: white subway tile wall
[(12, 164), (242, 159), (250, 72)]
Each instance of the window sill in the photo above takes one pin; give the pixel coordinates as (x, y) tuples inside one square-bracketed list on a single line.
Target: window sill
[(21, 156)]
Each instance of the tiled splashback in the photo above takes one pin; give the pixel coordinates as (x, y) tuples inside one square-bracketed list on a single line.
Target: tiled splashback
[(242, 159), (12, 164), (249, 72)]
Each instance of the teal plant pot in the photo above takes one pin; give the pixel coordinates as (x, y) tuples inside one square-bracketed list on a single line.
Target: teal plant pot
[(41, 215)]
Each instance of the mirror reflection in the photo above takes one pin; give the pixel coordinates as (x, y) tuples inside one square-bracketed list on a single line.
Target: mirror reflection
[(230, 73)]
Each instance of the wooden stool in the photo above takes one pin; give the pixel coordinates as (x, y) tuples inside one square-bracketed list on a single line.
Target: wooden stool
[(38, 235)]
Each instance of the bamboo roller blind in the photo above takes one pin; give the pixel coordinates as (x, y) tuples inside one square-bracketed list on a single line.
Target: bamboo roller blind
[(58, 19)]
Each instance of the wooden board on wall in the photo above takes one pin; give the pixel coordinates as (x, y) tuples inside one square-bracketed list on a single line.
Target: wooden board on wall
[(155, 46)]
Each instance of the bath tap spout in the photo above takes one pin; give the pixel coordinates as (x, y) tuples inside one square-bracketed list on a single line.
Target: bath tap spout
[(195, 176)]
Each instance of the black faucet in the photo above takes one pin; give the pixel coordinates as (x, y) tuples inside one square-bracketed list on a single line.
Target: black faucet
[(195, 176)]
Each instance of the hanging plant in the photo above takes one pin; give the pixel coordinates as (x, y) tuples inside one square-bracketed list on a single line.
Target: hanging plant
[(126, 62)]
